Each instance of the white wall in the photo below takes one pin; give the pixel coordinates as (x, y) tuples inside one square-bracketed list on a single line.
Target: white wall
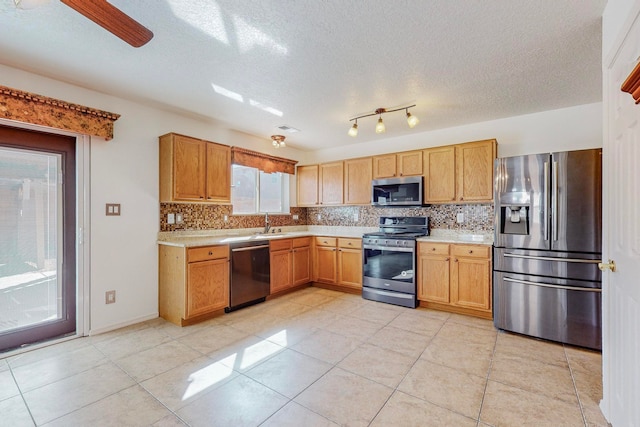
[(557, 130), (125, 170), (614, 18)]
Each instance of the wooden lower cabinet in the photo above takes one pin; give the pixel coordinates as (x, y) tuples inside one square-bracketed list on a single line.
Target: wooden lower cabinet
[(338, 261), (350, 263), (455, 277), (193, 282), (290, 263)]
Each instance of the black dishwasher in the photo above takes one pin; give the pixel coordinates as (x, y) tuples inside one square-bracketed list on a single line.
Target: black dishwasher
[(250, 274)]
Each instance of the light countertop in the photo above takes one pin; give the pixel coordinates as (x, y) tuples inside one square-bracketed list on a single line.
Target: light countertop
[(222, 237)]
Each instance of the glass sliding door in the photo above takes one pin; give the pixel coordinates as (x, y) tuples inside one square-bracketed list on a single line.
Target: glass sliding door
[(37, 237)]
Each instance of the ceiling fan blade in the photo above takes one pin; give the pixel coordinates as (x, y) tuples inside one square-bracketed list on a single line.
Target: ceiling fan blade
[(113, 20)]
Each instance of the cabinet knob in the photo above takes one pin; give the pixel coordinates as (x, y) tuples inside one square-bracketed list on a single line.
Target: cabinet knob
[(455, 260), (210, 253), (349, 243), (470, 251), (461, 198), (433, 249), (446, 259)]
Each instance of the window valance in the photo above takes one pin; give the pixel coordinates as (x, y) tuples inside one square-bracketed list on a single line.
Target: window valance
[(264, 162), (632, 84), (40, 110)]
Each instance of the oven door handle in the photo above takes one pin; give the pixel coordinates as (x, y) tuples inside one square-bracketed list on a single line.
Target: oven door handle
[(388, 248)]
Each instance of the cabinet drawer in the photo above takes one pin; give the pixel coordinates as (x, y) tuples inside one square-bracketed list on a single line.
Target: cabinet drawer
[(205, 253), (350, 243), (470, 251), (301, 242), (325, 241), (279, 244), (426, 248)]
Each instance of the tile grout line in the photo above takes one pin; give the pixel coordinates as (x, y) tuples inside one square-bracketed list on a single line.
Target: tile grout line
[(575, 386), (24, 401), (486, 384)]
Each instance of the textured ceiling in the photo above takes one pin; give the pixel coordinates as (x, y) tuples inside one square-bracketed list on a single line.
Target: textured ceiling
[(313, 65)]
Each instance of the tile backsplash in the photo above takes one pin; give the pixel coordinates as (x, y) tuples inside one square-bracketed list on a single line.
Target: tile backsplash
[(476, 217)]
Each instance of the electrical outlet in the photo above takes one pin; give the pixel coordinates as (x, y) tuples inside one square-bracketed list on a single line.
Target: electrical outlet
[(171, 219), (295, 217), (460, 218), (356, 217), (319, 217), (179, 218), (110, 297), (226, 218)]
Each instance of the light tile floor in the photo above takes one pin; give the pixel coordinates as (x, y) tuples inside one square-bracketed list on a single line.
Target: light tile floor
[(311, 358)]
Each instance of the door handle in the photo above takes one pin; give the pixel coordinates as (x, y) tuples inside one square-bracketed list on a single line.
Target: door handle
[(611, 265)]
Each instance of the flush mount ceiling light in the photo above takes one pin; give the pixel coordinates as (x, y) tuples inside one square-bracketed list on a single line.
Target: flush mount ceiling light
[(278, 141), (412, 120)]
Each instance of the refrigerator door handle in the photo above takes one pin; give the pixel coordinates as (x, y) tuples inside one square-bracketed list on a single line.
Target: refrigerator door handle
[(554, 202), (545, 258), (546, 285), (546, 201)]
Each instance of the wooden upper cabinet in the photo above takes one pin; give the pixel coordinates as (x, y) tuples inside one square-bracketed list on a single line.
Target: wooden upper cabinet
[(440, 174), (384, 166), (330, 183), (218, 173), (474, 171), (307, 185), (357, 181), (194, 170), (409, 163)]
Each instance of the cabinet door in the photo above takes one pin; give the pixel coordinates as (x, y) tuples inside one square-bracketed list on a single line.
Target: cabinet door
[(433, 284), (471, 282), (439, 175), (325, 264), (384, 166), (409, 163), (301, 265), (189, 163), (207, 286), (357, 181), (281, 267), (350, 267), (330, 178), (218, 173), (307, 185), (474, 171)]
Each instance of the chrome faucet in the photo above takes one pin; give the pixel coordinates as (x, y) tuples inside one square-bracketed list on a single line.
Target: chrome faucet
[(266, 223)]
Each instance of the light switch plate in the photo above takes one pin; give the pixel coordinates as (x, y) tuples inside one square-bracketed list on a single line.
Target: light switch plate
[(112, 209), (460, 217), (171, 218)]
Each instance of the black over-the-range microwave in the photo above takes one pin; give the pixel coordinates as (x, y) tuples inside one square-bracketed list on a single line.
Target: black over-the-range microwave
[(403, 191)]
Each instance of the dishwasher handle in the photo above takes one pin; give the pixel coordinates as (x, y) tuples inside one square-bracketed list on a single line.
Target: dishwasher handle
[(249, 248)]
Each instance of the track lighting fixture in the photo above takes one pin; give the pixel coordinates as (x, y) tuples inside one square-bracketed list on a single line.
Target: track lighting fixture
[(354, 129), (278, 141), (412, 120)]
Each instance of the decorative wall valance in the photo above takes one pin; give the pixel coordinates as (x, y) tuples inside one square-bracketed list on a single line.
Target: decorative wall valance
[(40, 110), (632, 84), (264, 162)]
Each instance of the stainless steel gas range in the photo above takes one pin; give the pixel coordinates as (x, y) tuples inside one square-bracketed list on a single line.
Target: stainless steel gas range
[(389, 260)]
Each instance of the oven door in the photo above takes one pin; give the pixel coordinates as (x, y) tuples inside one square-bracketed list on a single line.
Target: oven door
[(388, 268)]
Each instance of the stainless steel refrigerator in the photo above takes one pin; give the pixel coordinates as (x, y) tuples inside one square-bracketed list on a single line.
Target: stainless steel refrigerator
[(548, 242)]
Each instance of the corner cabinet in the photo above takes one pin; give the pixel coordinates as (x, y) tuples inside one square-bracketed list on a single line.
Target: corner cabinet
[(455, 278), (194, 170), (193, 282), (461, 173)]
